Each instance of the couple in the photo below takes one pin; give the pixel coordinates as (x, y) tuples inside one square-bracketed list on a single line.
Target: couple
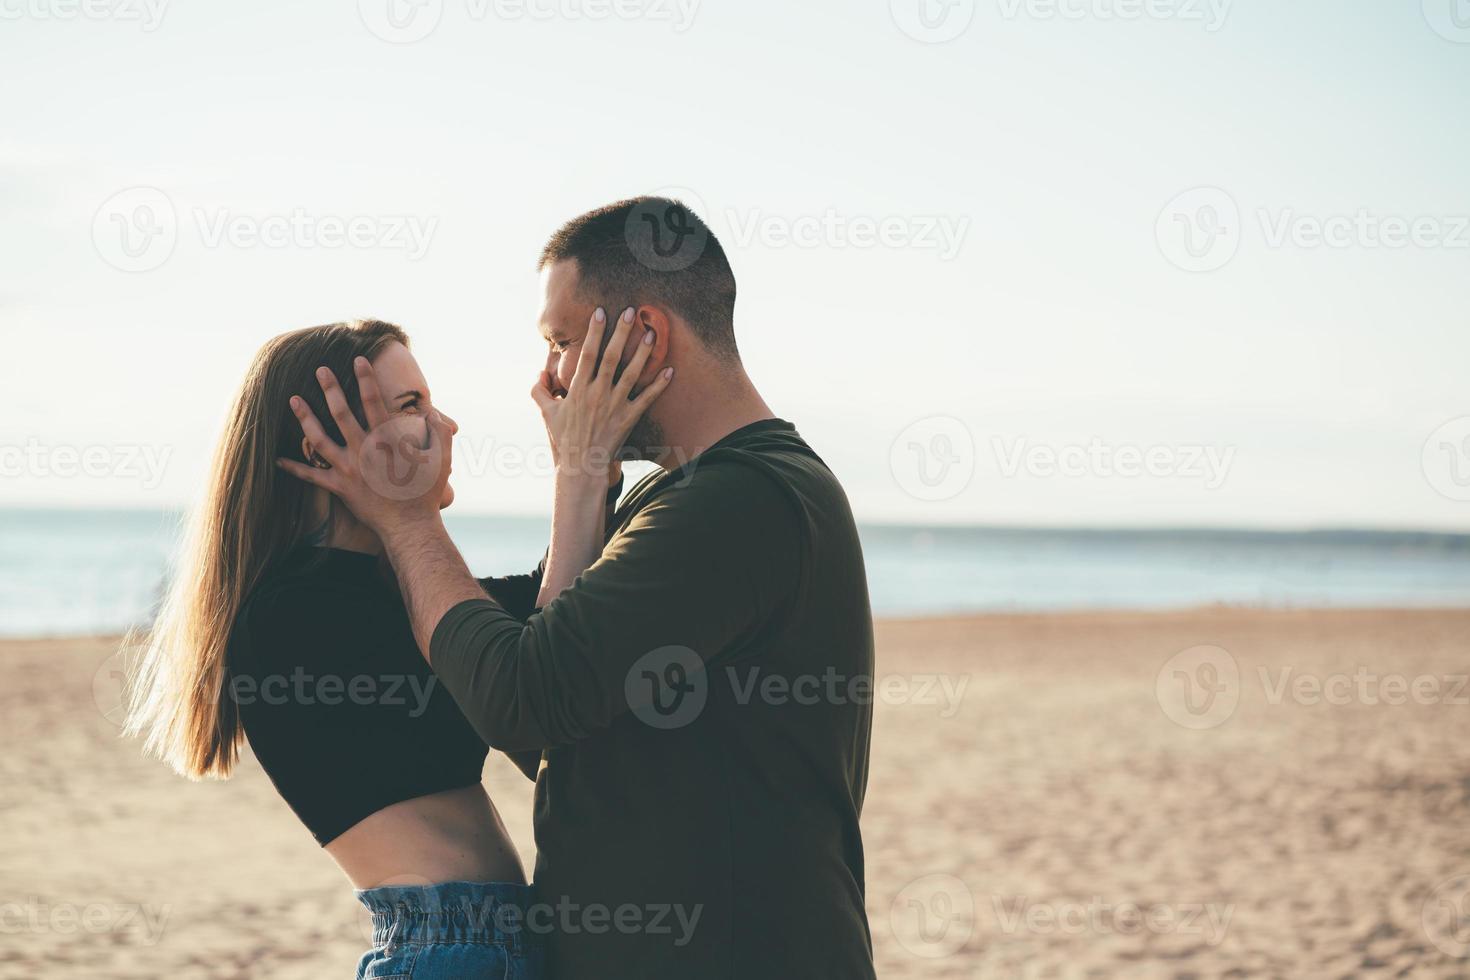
[(691, 822)]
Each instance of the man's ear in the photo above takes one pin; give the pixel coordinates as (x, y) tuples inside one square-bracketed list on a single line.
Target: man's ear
[(656, 319)]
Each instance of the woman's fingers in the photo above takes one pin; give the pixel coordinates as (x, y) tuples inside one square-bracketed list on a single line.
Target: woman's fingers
[(587, 360), (337, 404), (325, 445), (624, 388), (541, 394), (373, 406), (614, 352), (649, 395)]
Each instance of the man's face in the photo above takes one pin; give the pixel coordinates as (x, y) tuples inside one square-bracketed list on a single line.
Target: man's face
[(565, 314), (564, 319)]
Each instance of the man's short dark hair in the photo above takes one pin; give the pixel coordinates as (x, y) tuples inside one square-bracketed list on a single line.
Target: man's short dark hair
[(652, 250)]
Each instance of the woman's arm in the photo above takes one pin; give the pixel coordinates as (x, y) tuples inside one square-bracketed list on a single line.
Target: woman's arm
[(577, 524)]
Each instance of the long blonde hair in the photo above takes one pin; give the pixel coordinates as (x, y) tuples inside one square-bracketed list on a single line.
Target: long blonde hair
[(252, 514)]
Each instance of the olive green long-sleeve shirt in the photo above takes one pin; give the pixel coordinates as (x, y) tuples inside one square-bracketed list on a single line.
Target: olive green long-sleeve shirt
[(702, 699)]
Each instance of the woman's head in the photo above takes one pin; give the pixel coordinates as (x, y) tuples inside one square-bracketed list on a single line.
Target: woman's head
[(252, 514)]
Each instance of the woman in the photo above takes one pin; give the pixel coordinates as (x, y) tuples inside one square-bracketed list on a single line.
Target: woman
[(285, 626)]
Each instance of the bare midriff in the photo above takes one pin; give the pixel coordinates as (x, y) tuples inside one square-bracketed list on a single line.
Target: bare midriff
[(456, 835)]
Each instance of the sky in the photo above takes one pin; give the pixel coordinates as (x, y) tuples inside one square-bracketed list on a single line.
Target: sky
[(1017, 262)]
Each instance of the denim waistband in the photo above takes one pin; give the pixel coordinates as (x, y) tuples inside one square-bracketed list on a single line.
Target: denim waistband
[(451, 912)]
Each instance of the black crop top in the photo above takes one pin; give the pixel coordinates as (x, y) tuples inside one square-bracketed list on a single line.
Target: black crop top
[(338, 705)]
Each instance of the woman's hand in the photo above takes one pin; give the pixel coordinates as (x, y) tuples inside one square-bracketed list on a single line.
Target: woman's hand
[(587, 427)]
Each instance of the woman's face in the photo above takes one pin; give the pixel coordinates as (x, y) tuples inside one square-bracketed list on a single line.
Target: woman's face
[(406, 392)]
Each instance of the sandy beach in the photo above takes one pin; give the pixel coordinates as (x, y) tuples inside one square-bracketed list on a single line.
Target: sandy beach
[(1214, 793)]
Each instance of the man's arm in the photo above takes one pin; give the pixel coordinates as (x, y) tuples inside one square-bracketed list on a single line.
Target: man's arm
[(695, 572), (431, 573)]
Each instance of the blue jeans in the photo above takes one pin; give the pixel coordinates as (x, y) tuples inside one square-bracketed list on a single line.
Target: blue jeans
[(459, 930)]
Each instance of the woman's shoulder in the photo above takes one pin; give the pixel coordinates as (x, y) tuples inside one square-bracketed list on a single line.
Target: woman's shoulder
[(303, 597)]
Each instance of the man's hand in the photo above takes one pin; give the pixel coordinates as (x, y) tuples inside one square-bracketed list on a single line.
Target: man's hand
[(390, 476)]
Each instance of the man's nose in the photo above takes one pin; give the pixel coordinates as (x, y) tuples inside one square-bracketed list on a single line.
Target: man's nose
[(453, 425)]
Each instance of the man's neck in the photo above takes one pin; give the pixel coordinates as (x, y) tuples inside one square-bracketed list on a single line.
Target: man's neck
[(690, 429)]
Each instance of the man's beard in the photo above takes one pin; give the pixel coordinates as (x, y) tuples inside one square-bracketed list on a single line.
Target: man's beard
[(645, 441)]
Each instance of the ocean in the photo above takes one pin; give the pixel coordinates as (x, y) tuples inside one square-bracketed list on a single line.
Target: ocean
[(72, 572)]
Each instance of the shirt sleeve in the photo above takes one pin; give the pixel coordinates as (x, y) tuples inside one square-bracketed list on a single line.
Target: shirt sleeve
[(700, 566)]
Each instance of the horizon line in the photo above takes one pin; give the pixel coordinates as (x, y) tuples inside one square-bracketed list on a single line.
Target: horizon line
[(895, 523)]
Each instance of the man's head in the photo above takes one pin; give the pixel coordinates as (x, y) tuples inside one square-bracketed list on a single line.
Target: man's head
[(652, 254)]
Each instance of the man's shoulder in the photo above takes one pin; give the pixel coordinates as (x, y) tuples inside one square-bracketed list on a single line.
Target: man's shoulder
[(728, 479), (760, 463)]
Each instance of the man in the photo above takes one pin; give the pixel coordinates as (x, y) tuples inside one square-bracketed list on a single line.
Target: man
[(696, 697)]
